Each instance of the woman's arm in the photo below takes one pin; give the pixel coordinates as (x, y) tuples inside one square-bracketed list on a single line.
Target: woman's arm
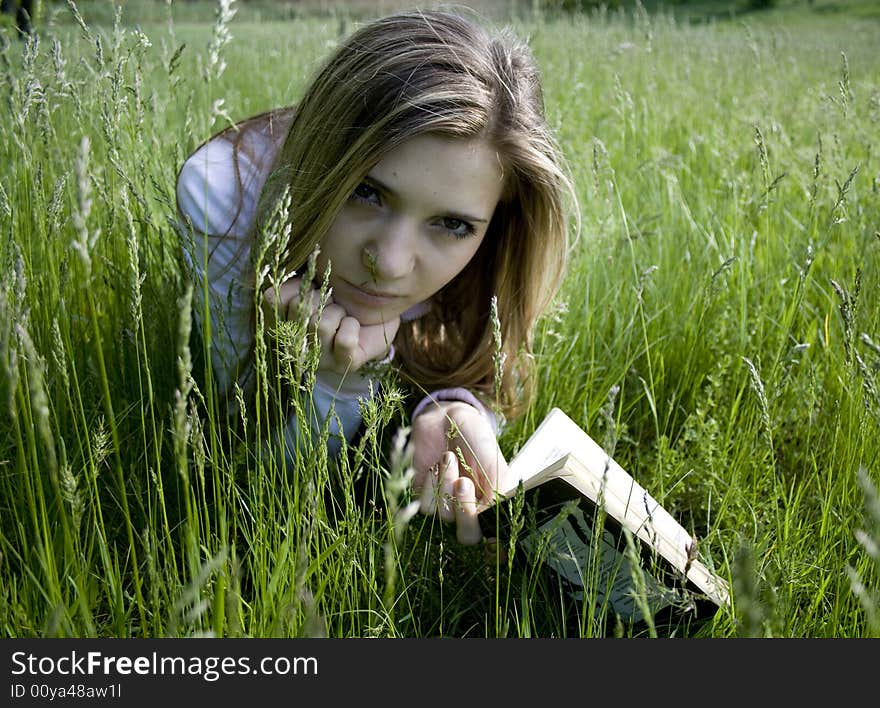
[(217, 208), (211, 202)]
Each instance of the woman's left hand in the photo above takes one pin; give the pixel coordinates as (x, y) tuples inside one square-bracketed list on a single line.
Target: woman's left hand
[(458, 465)]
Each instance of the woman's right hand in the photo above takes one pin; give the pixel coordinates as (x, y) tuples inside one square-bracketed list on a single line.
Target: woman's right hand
[(458, 465), (346, 344)]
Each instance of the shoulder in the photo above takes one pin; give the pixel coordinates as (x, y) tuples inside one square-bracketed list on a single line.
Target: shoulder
[(219, 184), (208, 192)]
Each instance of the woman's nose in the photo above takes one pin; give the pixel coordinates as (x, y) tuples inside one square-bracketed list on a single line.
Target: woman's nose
[(391, 254)]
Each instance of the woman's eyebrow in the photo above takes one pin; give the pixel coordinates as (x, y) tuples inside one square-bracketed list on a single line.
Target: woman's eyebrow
[(387, 191)]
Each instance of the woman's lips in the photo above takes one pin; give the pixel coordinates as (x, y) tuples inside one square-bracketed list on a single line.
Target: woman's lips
[(371, 297)]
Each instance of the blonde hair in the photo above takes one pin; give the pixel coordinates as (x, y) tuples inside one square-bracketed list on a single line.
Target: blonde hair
[(437, 72)]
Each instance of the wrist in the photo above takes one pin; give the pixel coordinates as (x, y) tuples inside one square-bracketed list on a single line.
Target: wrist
[(355, 381), (439, 400)]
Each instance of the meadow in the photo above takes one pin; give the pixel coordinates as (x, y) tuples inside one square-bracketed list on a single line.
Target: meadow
[(718, 331)]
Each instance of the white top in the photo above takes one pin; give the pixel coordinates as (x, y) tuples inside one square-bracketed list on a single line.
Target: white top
[(218, 208)]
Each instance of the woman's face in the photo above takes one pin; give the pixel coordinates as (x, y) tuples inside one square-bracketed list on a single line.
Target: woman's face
[(411, 225)]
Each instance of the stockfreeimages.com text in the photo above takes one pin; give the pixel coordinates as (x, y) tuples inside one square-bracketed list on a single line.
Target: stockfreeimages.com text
[(210, 668)]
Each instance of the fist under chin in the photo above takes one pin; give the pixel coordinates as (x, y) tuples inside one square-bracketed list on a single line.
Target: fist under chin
[(368, 316)]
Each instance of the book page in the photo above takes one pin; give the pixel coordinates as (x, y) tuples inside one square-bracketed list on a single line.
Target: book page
[(552, 440), (561, 448)]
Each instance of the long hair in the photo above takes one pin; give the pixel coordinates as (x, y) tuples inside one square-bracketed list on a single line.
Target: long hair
[(436, 72)]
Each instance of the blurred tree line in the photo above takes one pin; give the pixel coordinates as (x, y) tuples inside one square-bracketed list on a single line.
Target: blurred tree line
[(717, 7), (103, 12)]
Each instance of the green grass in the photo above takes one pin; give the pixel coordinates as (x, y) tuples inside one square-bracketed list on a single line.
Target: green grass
[(717, 330)]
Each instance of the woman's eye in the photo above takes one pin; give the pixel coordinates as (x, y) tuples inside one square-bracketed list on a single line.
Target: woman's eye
[(365, 193), (457, 227)]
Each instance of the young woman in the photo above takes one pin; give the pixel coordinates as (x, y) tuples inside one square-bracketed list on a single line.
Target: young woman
[(419, 165)]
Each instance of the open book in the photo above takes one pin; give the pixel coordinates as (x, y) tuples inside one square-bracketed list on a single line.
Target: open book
[(584, 501)]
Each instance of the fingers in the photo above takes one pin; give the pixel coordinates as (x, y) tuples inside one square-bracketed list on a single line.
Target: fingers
[(345, 344), (448, 476), (485, 464), (342, 335), (436, 494), (291, 294), (375, 340), (453, 498), (329, 324), (428, 492), (286, 300), (467, 527)]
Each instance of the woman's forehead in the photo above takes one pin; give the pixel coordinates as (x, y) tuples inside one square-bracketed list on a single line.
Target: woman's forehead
[(464, 174)]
